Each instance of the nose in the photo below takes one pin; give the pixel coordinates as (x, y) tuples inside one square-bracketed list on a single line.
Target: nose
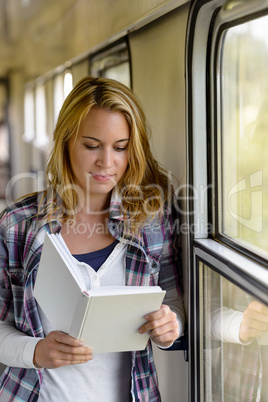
[(105, 158)]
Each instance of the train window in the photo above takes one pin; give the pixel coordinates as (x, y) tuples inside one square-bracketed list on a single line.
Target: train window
[(228, 199), (41, 139), (29, 120), (112, 63), (67, 83), (63, 84), (58, 95), (229, 352), (4, 139), (242, 107)]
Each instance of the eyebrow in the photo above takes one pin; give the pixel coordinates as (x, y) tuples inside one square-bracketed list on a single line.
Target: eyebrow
[(96, 139)]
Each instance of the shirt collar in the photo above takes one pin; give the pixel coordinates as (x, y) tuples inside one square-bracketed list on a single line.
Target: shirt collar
[(43, 199), (116, 223), (116, 206)]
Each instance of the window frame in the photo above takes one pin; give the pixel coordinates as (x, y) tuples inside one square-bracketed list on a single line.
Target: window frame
[(111, 56), (202, 242), (232, 273), (216, 119), (6, 84)]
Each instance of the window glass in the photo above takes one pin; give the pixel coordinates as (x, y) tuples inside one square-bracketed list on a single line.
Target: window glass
[(112, 63), (233, 341), (41, 140), (119, 73), (243, 142), (63, 84), (58, 95), (4, 141), (68, 83), (29, 121)]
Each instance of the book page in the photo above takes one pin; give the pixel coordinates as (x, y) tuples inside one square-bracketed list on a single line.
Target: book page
[(123, 290), (66, 255)]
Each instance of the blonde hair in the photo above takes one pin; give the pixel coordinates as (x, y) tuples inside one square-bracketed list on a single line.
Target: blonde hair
[(143, 175)]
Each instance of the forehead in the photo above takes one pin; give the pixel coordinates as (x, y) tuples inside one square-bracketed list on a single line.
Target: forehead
[(103, 122)]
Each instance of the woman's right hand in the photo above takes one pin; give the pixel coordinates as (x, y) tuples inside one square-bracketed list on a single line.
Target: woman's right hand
[(58, 349), (254, 322)]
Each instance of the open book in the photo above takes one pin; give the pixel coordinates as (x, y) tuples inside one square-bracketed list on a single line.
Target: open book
[(107, 319)]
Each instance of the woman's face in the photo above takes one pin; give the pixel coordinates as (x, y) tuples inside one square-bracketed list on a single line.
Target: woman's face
[(99, 153)]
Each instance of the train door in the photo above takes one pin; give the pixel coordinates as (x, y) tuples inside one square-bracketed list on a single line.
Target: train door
[(228, 200)]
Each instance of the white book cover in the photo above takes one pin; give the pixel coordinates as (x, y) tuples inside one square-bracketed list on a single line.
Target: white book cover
[(107, 319)]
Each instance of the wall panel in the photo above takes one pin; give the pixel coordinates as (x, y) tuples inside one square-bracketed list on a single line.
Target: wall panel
[(158, 68)]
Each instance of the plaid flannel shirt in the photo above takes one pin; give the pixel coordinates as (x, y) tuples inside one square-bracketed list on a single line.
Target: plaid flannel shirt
[(152, 259)]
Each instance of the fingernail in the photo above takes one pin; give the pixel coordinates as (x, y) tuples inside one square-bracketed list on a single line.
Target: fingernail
[(81, 343)]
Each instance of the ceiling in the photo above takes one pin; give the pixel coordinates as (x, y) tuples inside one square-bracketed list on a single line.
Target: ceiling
[(23, 23), (37, 36)]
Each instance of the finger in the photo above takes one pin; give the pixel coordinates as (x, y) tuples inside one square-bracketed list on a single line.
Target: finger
[(50, 352), (164, 340), (150, 325), (251, 330), (55, 359), (258, 325), (72, 358), (169, 321), (66, 339), (170, 328), (68, 344), (254, 333), (260, 317), (251, 315), (60, 363), (163, 311), (157, 318), (75, 350), (258, 307)]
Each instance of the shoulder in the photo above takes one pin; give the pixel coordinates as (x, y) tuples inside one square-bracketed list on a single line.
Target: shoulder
[(165, 224), (156, 225), (20, 210)]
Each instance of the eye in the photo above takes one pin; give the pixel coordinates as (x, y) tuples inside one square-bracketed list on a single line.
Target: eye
[(90, 147), (120, 149)]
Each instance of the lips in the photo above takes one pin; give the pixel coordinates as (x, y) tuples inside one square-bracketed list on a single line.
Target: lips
[(102, 177)]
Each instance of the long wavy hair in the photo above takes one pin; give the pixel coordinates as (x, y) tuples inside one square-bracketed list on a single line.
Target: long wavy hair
[(144, 186)]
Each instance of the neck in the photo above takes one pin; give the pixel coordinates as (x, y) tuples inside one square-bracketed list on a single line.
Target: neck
[(96, 204)]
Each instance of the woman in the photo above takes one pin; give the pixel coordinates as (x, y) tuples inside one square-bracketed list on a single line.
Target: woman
[(110, 201)]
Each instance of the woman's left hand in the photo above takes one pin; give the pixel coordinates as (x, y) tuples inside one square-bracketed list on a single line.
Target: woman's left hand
[(162, 326)]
